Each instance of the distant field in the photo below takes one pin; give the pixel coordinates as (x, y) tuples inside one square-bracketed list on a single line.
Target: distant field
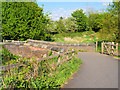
[(79, 37)]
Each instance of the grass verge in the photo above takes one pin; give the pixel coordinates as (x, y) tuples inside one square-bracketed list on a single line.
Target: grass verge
[(43, 74)]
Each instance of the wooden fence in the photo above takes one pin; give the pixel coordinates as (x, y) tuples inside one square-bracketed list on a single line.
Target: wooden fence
[(62, 57), (110, 48)]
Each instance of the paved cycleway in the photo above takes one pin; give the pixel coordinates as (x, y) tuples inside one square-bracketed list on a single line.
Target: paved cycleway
[(97, 71)]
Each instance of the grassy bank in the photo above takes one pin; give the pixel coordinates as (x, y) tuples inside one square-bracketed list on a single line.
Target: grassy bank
[(79, 37)]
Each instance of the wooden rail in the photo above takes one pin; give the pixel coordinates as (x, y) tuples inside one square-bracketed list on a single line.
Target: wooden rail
[(11, 66), (110, 48)]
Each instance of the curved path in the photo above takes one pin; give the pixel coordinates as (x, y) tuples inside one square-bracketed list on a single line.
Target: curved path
[(97, 71)]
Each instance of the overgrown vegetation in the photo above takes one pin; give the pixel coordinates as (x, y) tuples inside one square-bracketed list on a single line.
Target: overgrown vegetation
[(7, 56), (43, 74), (79, 37)]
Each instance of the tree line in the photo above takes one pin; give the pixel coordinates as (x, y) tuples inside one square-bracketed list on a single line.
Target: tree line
[(26, 20)]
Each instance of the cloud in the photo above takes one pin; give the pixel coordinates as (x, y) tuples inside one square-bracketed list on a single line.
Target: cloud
[(61, 12), (61, 8), (106, 0), (105, 3)]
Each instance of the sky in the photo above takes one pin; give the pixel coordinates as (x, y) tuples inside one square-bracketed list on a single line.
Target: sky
[(64, 8)]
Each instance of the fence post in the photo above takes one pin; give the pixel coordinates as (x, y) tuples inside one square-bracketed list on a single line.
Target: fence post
[(58, 59), (112, 47), (102, 48), (96, 45), (117, 49)]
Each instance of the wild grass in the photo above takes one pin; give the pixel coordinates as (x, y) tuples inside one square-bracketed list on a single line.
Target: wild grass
[(78, 37)]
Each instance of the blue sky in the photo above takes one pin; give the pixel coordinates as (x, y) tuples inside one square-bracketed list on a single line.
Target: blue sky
[(65, 9)]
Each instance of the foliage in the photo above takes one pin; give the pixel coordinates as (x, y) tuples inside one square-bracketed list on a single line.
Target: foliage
[(50, 53), (59, 26), (43, 74), (7, 56), (71, 24), (94, 21), (81, 19), (23, 20), (109, 29), (114, 9), (77, 37), (63, 25), (106, 23)]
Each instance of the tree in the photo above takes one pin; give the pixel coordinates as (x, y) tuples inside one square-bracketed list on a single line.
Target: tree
[(71, 24), (59, 26), (109, 28), (114, 10), (81, 19), (110, 23), (23, 20), (95, 21)]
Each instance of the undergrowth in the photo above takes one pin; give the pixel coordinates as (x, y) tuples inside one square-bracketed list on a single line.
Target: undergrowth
[(78, 37), (43, 74), (7, 56)]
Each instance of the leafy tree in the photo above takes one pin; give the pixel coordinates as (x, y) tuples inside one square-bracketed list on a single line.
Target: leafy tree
[(109, 28), (23, 20), (81, 19), (51, 26), (59, 26), (71, 24), (94, 21), (114, 10)]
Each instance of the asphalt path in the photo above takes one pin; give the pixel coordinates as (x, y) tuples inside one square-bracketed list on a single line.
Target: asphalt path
[(97, 71)]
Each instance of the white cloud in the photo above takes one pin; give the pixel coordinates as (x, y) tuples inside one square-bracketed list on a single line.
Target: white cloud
[(56, 14), (50, 15), (61, 8), (105, 3), (56, 19)]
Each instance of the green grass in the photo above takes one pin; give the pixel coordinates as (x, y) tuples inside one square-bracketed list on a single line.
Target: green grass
[(78, 37)]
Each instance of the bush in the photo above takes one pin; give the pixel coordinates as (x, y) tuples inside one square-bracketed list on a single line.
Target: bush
[(23, 20)]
